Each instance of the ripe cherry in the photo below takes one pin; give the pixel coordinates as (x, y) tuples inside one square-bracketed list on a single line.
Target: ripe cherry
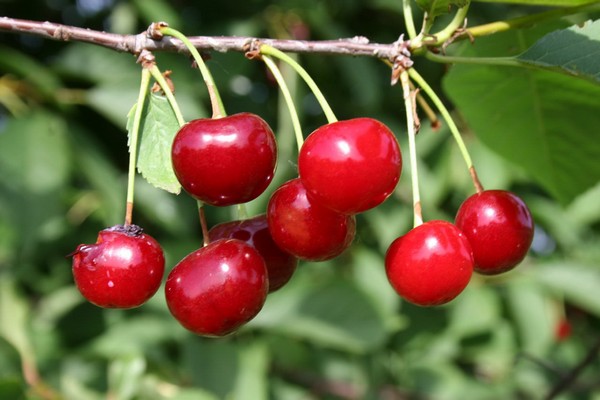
[(431, 264), (499, 227), (122, 270), (226, 160), (255, 231), (217, 288), (305, 228), (350, 166)]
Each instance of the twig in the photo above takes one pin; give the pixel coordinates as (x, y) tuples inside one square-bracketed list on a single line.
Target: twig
[(134, 44)]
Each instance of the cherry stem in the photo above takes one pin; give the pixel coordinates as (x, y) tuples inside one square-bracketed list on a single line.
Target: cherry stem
[(164, 86), (288, 98), (272, 51), (203, 224), (408, 19), (242, 211), (133, 143), (412, 148), (451, 125), (218, 109)]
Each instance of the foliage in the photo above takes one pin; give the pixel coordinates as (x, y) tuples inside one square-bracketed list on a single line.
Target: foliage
[(337, 330)]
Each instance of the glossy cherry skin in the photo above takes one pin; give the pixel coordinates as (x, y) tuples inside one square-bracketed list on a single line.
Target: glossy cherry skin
[(217, 288), (255, 231), (225, 161), (499, 227), (306, 229), (431, 264), (350, 166), (122, 270)]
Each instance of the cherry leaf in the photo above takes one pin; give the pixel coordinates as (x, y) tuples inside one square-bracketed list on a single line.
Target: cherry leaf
[(439, 7), (157, 130)]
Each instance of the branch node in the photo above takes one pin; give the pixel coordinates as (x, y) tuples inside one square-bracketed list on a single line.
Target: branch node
[(400, 58), (146, 59), (252, 49), (154, 32)]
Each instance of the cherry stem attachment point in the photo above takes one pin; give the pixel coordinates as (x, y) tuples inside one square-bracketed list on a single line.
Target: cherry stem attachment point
[(271, 51), (418, 79), (133, 143), (218, 109), (285, 91), (203, 224), (412, 148)]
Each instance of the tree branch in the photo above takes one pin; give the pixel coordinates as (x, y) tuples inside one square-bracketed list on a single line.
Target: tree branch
[(134, 44)]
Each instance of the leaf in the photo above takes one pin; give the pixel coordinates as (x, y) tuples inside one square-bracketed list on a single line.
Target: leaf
[(252, 379), (575, 50), (124, 376), (439, 7), (556, 3), (157, 130), (539, 120)]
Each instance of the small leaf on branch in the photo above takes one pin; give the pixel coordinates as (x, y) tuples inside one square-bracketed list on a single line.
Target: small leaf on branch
[(575, 51), (157, 130), (439, 7)]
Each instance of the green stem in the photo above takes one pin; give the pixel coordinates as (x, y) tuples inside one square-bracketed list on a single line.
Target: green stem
[(451, 125), (167, 91), (408, 19), (218, 109), (412, 147), (133, 143), (529, 20), (288, 98), (242, 211), (456, 23), (492, 61), (271, 51)]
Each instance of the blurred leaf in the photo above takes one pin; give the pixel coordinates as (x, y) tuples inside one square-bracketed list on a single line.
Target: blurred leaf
[(531, 307), (555, 3), (124, 375), (538, 120), (157, 130), (578, 283), (12, 389), (476, 300), (575, 50), (438, 7), (158, 10), (252, 379)]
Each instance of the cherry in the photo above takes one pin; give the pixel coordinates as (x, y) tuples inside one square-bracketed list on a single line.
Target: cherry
[(350, 166), (255, 231), (431, 264), (226, 160), (306, 229), (217, 288), (122, 270), (499, 227)]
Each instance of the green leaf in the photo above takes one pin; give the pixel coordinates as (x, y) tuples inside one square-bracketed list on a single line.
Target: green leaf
[(578, 283), (539, 120), (575, 50), (124, 376), (252, 379), (439, 7), (555, 3), (157, 130)]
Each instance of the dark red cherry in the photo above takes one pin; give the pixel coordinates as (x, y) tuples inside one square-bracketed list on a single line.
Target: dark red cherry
[(305, 228), (217, 288), (499, 227), (431, 264), (255, 231), (122, 270), (226, 160), (350, 166)]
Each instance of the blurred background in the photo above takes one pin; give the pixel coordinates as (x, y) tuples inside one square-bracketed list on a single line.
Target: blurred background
[(337, 330)]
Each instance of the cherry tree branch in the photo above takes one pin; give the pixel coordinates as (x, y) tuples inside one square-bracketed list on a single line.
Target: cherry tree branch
[(134, 44)]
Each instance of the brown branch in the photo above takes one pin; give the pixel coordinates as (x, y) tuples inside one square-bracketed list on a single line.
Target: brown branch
[(134, 44)]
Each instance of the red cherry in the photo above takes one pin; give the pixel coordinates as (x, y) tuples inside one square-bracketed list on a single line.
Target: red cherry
[(255, 232), (306, 229), (122, 270), (563, 330), (350, 166), (499, 227), (217, 288), (431, 264), (225, 161)]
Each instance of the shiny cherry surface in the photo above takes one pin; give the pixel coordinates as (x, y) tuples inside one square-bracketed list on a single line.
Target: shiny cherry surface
[(217, 288), (431, 264), (350, 166), (226, 160), (499, 227), (255, 231), (122, 270), (306, 229)]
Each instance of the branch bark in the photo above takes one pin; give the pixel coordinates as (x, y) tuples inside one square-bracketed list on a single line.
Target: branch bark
[(134, 44)]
